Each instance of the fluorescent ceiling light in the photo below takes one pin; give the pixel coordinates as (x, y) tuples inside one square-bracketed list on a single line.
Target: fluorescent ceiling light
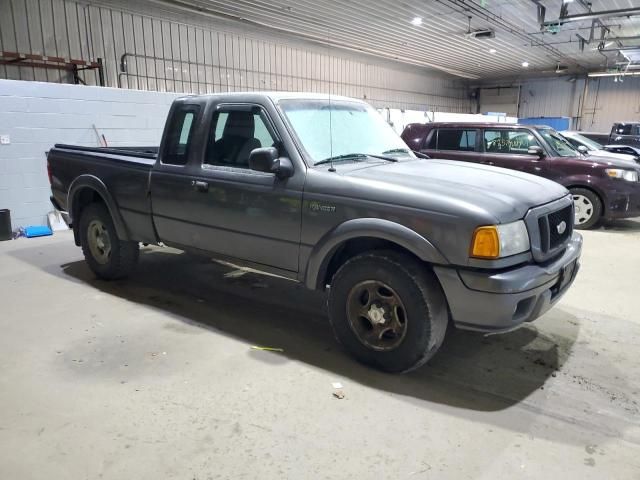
[(613, 74), (525, 64), (567, 1), (492, 50), (416, 21)]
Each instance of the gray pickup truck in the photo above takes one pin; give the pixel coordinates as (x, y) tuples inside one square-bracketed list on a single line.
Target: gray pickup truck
[(322, 191)]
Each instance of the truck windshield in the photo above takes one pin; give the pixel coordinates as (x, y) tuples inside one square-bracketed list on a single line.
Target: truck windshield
[(559, 145), (341, 128)]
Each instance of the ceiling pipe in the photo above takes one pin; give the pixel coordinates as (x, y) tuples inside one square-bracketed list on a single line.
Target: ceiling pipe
[(613, 74), (581, 17), (630, 47)]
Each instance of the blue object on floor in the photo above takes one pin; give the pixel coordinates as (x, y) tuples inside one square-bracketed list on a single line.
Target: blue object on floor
[(37, 231)]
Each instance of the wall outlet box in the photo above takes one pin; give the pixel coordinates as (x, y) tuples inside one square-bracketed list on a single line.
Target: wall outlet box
[(5, 140)]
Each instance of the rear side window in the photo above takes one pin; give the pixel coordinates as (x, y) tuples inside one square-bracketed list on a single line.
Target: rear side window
[(180, 135), (509, 141), (620, 129), (455, 139)]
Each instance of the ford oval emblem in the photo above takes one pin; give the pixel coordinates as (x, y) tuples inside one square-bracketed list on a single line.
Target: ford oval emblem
[(561, 227)]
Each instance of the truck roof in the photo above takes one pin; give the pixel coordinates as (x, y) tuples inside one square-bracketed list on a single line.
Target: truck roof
[(277, 96)]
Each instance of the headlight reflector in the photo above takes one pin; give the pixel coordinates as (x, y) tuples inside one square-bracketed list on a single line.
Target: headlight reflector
[(628, 175), (497, 241)]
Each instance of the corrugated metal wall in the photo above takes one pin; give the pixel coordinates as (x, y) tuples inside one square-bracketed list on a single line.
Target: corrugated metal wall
[(606, 101), (555, 97), (499, 100), (609, 101), (157, 51)]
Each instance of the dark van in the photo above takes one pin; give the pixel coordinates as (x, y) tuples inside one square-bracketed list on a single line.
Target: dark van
[(602, 187)]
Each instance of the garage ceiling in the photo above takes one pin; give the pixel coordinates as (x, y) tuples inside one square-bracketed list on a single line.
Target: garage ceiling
[(440, 39)]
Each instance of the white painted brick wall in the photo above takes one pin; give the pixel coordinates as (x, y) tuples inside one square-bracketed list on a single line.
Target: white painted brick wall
[(36, 115)]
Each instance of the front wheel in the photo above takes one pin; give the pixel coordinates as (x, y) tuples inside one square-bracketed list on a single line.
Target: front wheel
[(108, 257), (587, 208), (388, 310)]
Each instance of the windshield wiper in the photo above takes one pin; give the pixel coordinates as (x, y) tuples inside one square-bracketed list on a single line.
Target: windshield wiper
[(406, 150), (348, 156), (396, 150)]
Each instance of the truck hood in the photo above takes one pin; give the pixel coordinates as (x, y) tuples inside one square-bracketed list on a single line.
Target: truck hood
[(455, 187)]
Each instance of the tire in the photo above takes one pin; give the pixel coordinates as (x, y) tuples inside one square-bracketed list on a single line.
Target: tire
[(588, 208), (107, 256), (379, 277)]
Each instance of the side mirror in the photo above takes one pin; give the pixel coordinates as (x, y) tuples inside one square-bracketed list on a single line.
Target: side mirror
[(267, 160), (536, 150), (582, 149)]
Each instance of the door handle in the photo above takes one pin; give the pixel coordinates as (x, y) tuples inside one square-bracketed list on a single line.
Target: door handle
[(200, 186)]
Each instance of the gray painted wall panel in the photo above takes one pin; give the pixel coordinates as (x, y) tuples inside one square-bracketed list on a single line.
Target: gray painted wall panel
[(183, 52)]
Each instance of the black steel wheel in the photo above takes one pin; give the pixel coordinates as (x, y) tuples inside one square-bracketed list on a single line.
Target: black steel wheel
[(377, 315), (108, 257), (388, 310)]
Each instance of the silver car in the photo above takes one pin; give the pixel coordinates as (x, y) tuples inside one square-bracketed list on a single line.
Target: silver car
[(591, 147)]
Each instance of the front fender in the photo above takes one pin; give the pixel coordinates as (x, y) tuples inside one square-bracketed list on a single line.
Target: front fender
[(367, 228), (93, 183), (585, 181)]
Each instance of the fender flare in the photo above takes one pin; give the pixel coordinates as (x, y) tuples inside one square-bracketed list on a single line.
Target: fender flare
[(378, 228), (92, 182)]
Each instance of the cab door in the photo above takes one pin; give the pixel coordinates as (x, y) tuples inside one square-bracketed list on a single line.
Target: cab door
[(218, 204)]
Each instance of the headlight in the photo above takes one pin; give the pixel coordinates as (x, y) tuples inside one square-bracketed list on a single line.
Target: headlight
[(496, 241), (628, 175)]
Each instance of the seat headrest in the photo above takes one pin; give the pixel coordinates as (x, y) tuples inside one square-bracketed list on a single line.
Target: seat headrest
[(239, 124)]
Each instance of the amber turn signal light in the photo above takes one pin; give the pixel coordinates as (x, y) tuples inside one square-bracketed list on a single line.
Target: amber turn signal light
[(485, 242)]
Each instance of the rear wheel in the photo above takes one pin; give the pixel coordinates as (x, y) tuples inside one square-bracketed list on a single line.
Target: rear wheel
[(388, 311), (108, 257), (587, 208)]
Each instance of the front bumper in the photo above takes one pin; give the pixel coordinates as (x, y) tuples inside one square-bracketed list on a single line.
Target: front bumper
[(624, 201), (491, 301)]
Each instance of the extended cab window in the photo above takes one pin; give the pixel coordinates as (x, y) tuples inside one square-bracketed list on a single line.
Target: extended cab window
[(456, 139), (621, 129), (234, 134), (509, 141), (179, 136)]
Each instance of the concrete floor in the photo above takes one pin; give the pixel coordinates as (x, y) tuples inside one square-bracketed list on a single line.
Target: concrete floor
[(154, 378)]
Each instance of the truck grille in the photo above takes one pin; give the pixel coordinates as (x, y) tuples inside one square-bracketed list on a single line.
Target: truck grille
[(554, 225), (557, 234)]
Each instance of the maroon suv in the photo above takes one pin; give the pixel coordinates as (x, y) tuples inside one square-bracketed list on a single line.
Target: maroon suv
[(602, 187)]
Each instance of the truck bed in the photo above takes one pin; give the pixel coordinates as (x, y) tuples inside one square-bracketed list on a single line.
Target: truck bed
[(123, 170)]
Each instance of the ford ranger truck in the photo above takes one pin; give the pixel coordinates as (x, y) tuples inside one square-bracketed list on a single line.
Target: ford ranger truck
[(322, 191)]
